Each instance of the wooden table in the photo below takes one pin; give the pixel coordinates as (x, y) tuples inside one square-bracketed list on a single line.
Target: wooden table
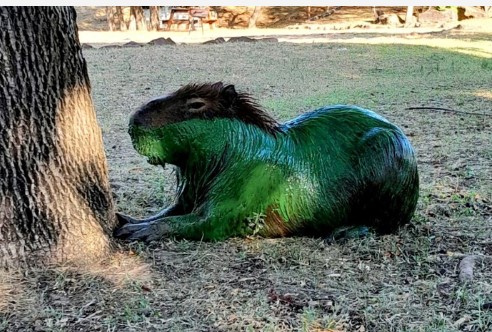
[(204, 15), (187, 15), (178, 16)]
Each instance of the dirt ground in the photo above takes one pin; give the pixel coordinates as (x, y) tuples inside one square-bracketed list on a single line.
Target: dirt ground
[(408, 281)]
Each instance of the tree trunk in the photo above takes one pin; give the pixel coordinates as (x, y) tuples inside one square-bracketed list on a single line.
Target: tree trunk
[(254, 17), (121, 18), (309, 12), (137, 12), (154, 18), (111, 17), (132, 25), (409, 17), (55, 198), (115, 17)]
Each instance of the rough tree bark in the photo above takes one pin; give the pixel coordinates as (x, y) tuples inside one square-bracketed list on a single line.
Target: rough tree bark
[(254, 17), (154, 18), (55, 198)]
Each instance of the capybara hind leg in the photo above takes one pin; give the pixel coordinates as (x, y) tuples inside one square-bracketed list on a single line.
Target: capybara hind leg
[(391, 185)]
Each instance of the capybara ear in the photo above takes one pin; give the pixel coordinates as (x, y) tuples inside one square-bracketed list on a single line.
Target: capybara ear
[(218, 86), (229, 94)]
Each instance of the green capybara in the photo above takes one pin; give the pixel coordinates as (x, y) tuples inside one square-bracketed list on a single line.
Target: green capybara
[(241, 173)]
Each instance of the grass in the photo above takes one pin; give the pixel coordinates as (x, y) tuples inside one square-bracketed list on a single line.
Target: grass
[(402, 282)]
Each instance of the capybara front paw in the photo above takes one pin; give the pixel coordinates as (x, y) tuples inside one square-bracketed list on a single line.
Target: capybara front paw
[(142, 232), (124, 219)]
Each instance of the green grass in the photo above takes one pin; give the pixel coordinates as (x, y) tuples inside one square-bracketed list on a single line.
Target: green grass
[(402, 282)]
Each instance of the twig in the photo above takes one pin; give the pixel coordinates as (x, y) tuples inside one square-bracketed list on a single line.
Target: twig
[(80, 320), (445, 110)]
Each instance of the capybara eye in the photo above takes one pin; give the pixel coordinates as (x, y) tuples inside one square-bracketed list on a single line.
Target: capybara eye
[(196, 105)]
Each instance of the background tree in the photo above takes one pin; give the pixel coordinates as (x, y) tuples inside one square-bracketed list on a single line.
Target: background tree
[(116, 21), (254, 17), (154, 18), (55, 198), (132, 22), (121, 18), (111, 17), (409, 17), (137, 19), (139, 14), (488, 10)]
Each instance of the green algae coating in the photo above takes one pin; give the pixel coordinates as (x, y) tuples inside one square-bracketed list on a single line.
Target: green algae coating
[(337, 166)]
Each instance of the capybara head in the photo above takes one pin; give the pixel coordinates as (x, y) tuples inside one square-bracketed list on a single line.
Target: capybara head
[(194, 101), (202, 101)]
